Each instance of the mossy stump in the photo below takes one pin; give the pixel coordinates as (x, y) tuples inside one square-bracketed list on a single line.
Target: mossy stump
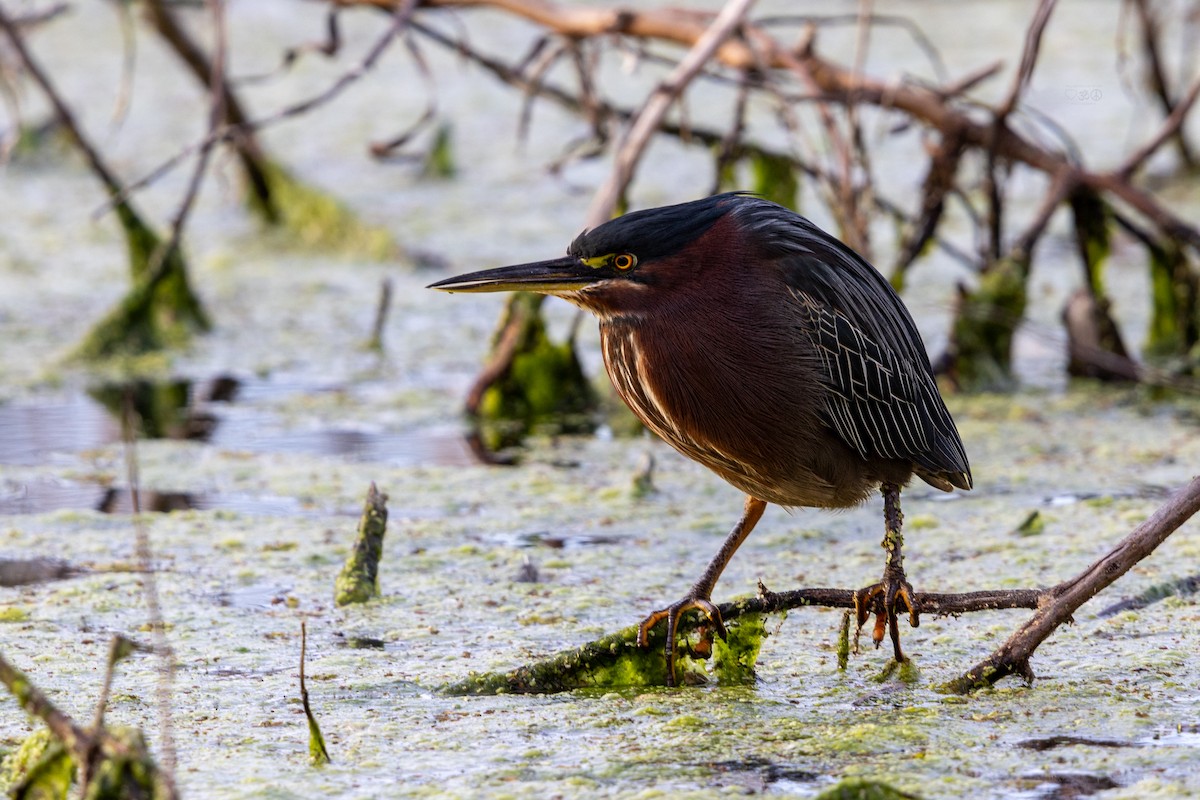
[(531, 383), (358, 581), (159, 311), (981, 339)]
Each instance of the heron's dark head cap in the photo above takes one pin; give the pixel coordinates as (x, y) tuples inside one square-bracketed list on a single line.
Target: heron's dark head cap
[(654, 232), (624, 255)]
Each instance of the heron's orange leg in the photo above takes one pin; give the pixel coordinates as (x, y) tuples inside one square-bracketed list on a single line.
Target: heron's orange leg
[(894, 587), (699, 597)]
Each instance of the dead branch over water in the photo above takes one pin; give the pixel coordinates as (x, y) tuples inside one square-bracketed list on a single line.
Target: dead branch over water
[(758, 61), (750, 56), (757, 48), (1054, 606), (828, 148)]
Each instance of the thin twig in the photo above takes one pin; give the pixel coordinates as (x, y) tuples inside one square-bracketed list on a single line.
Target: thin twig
[(646, 120), (216, 115), (943, 170), (1029, 57), (128, 63), (385, 149), (919, 37), (33, 19), (1012, 657), (1157, 77), (61, 111), (316, 741), (145, 558), (401, 15), (381, 314), (250, 155), (1171, 127), (969, 81)]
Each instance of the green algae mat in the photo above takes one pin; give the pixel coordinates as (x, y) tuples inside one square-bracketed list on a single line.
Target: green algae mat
[(485, 569)]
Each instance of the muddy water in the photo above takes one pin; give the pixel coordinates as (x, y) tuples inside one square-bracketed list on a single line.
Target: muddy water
[(257, 488)]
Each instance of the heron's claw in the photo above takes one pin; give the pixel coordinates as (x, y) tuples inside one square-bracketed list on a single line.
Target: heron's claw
[(672, 614), (896, 591)]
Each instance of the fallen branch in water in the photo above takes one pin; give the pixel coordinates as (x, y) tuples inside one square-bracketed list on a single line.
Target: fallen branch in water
[(1060, 602), (116, 759), (616, 659)]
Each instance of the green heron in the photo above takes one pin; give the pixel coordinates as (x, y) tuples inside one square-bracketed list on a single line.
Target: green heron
[(762, 347)]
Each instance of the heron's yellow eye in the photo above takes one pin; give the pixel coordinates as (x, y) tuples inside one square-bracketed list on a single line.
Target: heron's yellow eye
[(624, 261)]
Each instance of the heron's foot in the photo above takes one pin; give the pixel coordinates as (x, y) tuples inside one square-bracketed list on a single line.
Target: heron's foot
[(672, 614), (895, 592)]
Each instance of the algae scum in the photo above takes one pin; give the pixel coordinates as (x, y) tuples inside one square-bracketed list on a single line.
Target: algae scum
[(260, 442), (485, 568)]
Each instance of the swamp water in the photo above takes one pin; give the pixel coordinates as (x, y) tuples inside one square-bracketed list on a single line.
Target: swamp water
[(261, 488)]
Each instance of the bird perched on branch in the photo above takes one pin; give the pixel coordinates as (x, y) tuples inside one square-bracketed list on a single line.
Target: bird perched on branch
[(762, 347)]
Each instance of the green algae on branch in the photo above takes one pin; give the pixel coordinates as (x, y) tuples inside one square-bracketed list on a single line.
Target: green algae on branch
[(358, 581), (981, 339), (529, 382), (861, 789), (439, 161), (318, 754), (1175, 292), (616, 661), (313, 219), (117, 759), (159, 311), (40, 767)]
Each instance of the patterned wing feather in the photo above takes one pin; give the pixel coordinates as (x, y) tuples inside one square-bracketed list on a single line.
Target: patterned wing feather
[(883, 399)]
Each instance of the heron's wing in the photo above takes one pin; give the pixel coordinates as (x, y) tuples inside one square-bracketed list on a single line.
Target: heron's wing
[(882, 400)]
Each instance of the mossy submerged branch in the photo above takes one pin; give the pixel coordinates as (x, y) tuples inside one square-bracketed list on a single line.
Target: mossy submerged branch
[(1062, 601), (616, 660), (864, 789), (120, 765), (1175, 291), (529, 381), (980, 351), (315, 220), (159, 311), (358, 581)]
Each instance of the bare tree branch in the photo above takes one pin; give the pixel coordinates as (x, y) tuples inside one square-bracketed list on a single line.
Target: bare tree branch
[(401, 15), (1170, 130), (1156, 76), (647, 120), (61, 111), (1059, 603)]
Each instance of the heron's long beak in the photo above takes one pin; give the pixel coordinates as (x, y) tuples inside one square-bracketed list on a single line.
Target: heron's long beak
[(564, 274)]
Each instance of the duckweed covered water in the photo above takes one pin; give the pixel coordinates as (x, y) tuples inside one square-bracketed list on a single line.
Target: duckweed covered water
[(487, 568), (452, 604)]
